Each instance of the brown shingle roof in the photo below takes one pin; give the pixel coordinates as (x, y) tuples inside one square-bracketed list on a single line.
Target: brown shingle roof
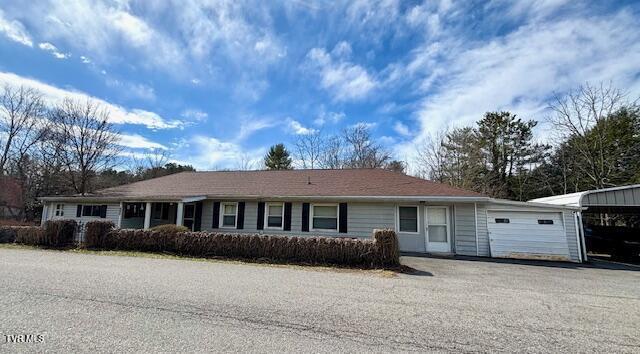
[(291, 183)]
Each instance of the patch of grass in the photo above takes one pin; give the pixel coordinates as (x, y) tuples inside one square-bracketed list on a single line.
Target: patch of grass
[(387, 273)]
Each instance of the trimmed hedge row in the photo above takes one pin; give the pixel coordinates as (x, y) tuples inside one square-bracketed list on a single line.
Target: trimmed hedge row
[(8, 233), (55, 233), (380, 252)]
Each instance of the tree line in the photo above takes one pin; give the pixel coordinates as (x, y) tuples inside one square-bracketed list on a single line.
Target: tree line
[(354, 147), (69, 147), (594, 144)]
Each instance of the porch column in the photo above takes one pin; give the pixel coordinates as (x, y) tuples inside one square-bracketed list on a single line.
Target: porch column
[(147, 215), (179, 213), (45, 213), (120, 214)]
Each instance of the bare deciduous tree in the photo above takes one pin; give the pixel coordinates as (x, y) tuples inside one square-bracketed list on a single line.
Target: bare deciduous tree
[(88, 140), (362, 152), (332, 155), (309, 150), (575, 114), (430, 157), (22, 124)]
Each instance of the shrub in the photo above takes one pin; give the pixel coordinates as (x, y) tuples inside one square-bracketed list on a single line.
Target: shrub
[(170, 228), (59, 233), (8, 233), (30, 235), (381, 251), (388, 248), (95, 233)]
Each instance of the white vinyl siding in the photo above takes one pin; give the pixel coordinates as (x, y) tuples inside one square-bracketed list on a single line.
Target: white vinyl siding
[(465, 229)]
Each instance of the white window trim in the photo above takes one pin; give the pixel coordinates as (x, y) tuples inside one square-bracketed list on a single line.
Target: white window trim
[(59, 212), (266, 216), (311, 216), (417, 219), (222, 215)]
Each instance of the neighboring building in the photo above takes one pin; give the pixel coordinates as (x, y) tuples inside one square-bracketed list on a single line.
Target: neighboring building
[(10, 198), (428, 217)]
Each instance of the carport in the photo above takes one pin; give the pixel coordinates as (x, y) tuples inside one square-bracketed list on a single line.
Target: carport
[(610, 218)]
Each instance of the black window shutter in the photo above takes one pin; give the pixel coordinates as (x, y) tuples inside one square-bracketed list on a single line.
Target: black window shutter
[(216, 215), (103, 211), (305, 217), (287, 217), (79, 211), (240, 221), (260, 223), (342, 228), (197, 219)]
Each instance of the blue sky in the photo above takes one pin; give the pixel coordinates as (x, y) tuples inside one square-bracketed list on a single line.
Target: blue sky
[(215, 82)]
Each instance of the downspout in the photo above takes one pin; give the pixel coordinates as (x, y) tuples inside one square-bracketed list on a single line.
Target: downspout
[(475, 222)]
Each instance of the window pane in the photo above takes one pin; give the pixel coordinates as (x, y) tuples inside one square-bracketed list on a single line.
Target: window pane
[(86, 210), (229, 220), (230, 209), (409, 225), (408, 212), (325, 223), (437, 216), (274, 221), (275, 210), (325, 211), (437, 234), (95, 211)]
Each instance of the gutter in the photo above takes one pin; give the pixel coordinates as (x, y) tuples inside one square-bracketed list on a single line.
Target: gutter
[(188, 199)]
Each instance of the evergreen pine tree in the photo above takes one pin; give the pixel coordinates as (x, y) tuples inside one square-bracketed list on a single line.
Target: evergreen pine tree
[(278, 158)]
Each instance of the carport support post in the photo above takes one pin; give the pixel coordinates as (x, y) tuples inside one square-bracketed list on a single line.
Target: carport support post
[(147, 215), (179, 213)]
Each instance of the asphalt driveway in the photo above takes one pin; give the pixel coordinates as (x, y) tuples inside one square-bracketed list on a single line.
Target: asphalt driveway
[(83, 302)]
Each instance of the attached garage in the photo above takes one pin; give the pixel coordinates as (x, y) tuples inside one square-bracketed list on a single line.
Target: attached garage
[(527, 234)]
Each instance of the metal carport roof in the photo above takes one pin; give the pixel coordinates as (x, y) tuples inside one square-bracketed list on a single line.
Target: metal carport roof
[(624, 196)]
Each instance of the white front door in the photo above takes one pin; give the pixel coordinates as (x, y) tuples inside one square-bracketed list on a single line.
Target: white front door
[(437, 229)]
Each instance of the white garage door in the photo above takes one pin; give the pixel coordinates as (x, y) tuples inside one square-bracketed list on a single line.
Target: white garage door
[(527, 234)]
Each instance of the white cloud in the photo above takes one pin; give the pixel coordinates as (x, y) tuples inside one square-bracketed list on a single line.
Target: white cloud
[(136, 141), (328, 117), (48, 47), (205, 152), (195, 115), (117, 114), (298, 129), (250, 125), (401, 129), (85, 60), (15, 31), (521, 70), (344, 80), (132, 89)]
